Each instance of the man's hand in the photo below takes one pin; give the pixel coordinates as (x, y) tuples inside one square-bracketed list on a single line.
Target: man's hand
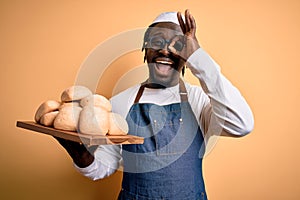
[(82, 156), (190, 41)]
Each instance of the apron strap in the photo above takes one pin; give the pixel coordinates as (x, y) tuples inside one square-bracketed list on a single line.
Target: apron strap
[(182, 91), (140, 92)]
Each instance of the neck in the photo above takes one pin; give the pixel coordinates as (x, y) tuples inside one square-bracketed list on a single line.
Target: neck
[(160, 85), (155, 86)]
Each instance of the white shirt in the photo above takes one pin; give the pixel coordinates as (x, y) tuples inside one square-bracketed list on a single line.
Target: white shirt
[(217, 105)]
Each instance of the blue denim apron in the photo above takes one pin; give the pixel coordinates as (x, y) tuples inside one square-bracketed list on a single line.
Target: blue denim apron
[(169, 163)]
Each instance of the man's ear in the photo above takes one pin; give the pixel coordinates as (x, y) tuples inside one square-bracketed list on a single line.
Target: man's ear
[(183, 71), (145, 55)]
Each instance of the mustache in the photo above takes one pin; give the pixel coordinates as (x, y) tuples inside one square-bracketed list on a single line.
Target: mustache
[(170, 56)]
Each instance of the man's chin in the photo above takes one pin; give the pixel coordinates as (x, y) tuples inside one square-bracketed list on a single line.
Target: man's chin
[(165, 81)]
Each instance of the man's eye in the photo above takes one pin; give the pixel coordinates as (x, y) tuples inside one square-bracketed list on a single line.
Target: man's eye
[(157, 42), (178, 45)]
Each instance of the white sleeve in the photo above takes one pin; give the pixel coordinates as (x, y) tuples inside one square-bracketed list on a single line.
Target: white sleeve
[(108, 157), (107, 161), (225, 109)]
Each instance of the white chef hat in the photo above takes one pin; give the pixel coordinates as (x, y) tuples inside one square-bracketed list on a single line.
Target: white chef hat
[(167, 17)]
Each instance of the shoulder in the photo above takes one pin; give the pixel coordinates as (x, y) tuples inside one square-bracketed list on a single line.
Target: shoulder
[(122, 101), (193, 89), (196, 95)]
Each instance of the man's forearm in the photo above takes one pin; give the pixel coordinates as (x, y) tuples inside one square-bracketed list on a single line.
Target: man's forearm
[(82, 156), (229, 110)]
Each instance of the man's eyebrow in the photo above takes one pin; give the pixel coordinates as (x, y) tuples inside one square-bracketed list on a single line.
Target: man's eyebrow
[(157, 33), (179, 34), (162, 33)]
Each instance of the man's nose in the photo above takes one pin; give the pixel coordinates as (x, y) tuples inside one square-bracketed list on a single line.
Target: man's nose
[(165, 50)]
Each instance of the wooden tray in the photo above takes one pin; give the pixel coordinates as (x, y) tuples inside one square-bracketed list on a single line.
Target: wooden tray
[(82, 138)]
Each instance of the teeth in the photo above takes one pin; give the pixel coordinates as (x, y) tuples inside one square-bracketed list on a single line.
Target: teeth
[(164, 62)]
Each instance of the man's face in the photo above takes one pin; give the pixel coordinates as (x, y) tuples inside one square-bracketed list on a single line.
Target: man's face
[(164, 66)]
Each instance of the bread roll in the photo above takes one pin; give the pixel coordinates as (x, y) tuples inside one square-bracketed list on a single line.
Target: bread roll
[(117, 124), (67, 118), (93, 121), (75, 92), (48, 118), (45, 107), (71, 103), (96, 100)]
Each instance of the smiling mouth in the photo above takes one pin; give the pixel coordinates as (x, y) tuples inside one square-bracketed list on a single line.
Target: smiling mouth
[(163, 66), (164, 62)]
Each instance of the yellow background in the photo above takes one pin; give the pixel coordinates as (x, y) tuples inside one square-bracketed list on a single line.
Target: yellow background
[(256, 42)]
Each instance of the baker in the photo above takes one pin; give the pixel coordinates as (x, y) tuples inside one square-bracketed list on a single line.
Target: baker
[(175, 118)]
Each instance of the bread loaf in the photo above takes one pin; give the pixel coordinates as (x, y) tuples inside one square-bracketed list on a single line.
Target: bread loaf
[(74, 93), (96, 100), (67, 118), (93, 121), (46, 107), (71, 103), (48, 118), (117, 124)]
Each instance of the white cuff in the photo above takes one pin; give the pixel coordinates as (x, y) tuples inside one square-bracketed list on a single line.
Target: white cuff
[(205, 69), (87, 169)]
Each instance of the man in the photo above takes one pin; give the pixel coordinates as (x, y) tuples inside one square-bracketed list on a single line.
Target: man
[(175, 118)]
